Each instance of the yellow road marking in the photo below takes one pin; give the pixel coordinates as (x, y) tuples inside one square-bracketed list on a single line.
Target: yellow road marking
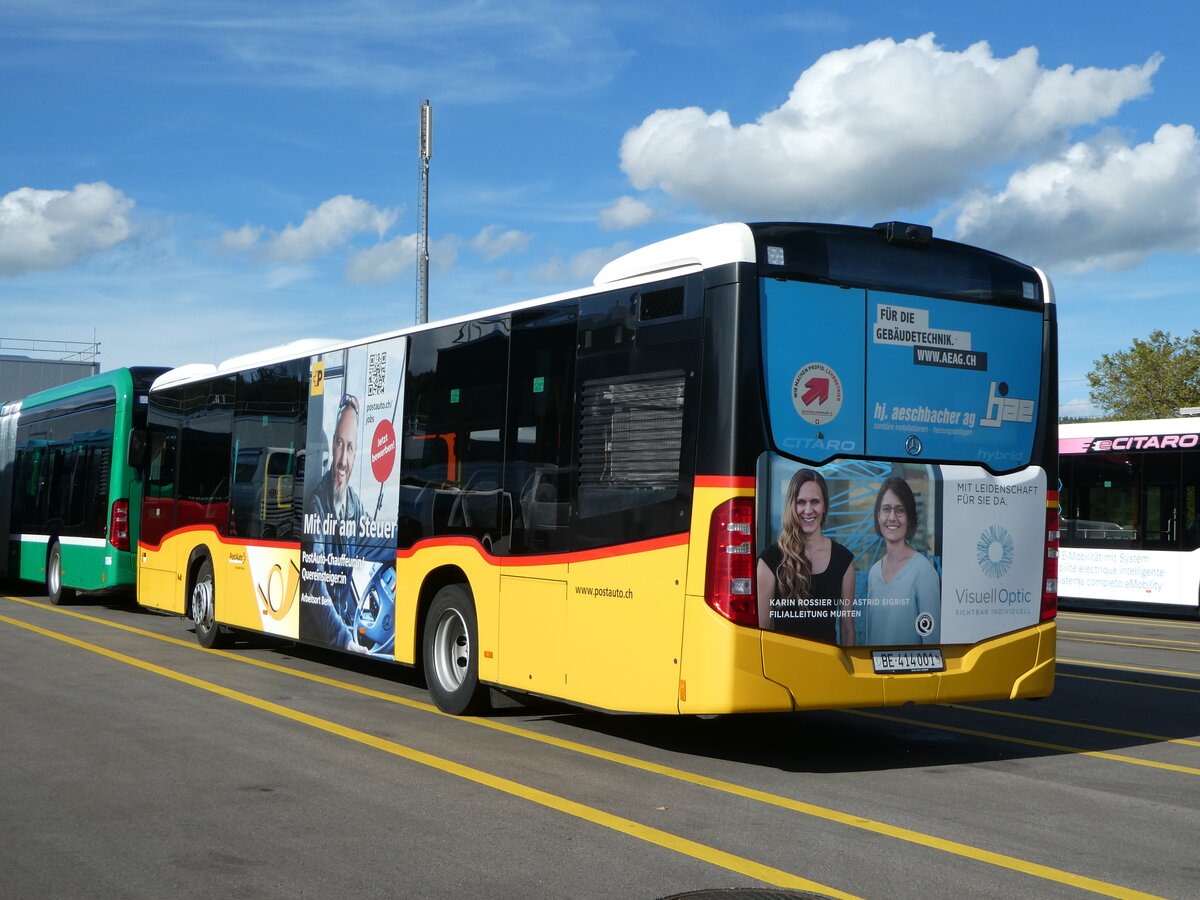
[(1156, 646), (1125, 620), (913, 837), (1103, 665), (1101, 634), (664, 839), (1083, 725), (1043, 745), (1141, 684)]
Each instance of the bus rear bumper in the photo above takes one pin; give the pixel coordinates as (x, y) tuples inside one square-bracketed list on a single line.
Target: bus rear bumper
[(822, 676)]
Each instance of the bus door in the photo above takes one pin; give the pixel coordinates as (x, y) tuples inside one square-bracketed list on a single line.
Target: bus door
[(535, 509), (1162, 523), (156, 556)]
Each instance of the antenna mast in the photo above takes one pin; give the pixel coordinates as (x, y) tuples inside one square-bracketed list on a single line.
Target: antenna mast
[(426, 150)]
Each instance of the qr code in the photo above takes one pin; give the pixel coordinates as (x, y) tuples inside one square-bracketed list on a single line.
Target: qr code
[(376, 374)]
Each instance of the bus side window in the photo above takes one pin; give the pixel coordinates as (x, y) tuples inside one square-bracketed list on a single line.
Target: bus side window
[(1189, 515), (538, 442), (158, 498), (269, 419), (453, 424), (1102, 504), (204, 455)]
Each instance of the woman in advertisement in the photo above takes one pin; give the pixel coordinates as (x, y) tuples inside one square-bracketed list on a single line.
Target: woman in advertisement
[(903, 594), (806, 579)]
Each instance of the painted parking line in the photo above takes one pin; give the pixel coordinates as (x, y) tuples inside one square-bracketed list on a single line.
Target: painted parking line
[(956, 848)]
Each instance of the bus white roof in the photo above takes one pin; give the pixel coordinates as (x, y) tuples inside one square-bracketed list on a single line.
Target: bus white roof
[(712, 246), (282, 353), (183, 374)]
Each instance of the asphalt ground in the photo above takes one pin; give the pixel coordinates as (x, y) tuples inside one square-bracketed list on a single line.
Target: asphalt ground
[(135, 764)]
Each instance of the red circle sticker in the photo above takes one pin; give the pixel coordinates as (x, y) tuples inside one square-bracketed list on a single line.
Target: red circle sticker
[(383, 451), (817, 393)]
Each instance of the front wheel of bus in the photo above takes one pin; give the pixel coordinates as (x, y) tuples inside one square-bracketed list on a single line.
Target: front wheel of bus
[(450, 657), (202, 608), (54, 586)]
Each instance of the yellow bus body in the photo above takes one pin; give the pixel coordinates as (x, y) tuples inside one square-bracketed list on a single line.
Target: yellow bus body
[(626, 629)]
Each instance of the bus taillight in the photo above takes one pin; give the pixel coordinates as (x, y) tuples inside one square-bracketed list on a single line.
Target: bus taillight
[(118, 525), (729, 587), (1050, 573)]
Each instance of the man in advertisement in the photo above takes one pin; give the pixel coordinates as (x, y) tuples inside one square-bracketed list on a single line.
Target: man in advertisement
[(334, 494), (333, 511)]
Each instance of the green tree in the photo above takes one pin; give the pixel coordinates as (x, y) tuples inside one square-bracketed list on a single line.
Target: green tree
[(1150, 380)]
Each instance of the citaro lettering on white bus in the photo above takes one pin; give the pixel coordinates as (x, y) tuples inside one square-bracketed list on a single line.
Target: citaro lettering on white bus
[(1146, 442)]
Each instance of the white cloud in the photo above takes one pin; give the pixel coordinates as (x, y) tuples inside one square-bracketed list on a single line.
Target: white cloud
[(243, 239), (42, 229), (492, 243), (1100, 202), (625, 212), (385, 261), (874, 128), (332, 224), (581, 268)]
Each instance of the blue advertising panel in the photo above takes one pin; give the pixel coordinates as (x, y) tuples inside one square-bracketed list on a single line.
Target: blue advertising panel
[(874, 373), (814, 359), (962, 379)]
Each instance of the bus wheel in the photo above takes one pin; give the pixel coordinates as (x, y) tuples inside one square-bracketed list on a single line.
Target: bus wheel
[(450, 657), (202, 608), (54, 586)]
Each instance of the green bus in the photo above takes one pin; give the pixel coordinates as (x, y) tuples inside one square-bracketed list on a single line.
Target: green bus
[(68, 482)]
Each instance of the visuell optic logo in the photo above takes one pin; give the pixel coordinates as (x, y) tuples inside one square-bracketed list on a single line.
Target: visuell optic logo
[(994, 552)]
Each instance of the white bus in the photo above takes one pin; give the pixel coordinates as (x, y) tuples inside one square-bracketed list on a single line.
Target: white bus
[(1129, 530)]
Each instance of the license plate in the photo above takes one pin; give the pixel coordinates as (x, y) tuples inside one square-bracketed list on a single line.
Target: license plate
[(889, 661)]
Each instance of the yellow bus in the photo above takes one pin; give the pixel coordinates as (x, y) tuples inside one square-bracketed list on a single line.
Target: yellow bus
[(752, 468)]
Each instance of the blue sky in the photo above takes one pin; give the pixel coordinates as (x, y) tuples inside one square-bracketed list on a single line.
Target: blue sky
[(190, 181)]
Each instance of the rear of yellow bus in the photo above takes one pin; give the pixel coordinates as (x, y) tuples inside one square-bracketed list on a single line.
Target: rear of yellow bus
[(907, 387)]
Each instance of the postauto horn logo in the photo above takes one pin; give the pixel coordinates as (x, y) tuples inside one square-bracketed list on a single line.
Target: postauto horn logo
[(994, 552)]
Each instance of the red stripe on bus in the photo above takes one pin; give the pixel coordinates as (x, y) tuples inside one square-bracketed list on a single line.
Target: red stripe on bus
[(739, 482), (673, 540), (549, 559), (228, 540)]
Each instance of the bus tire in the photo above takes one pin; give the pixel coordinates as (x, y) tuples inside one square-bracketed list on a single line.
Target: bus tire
[(55, 591), (202, 607), (450, 657)]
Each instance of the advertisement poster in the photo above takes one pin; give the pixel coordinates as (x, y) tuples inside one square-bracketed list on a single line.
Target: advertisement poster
[(348, 545), (863, 553), (882, 374), (1126, 576)]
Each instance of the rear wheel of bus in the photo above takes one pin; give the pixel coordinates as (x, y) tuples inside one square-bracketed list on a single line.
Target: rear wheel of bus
[(202, 608), (450, 653), (54, 584)]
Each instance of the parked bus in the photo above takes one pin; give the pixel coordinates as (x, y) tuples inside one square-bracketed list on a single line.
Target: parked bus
[(68, 485), (1130, 535), (596, 496)]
